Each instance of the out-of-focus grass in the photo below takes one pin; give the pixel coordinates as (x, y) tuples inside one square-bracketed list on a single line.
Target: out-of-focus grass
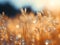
[(33, 29)]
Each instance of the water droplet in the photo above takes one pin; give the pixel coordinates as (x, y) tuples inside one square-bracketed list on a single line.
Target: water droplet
[(17, 26), (34, 21), (47, 42)]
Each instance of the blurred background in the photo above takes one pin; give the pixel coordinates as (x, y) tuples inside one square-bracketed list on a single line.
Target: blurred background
[(12, 7), (28, 29)]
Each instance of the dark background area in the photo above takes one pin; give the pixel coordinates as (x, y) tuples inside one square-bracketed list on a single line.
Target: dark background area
[(11, 11)]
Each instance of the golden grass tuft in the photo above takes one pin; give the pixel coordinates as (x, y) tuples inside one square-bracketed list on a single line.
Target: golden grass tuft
[(34, 30)]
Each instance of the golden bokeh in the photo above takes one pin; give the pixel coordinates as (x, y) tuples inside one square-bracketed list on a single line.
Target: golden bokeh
[(30, 29)]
